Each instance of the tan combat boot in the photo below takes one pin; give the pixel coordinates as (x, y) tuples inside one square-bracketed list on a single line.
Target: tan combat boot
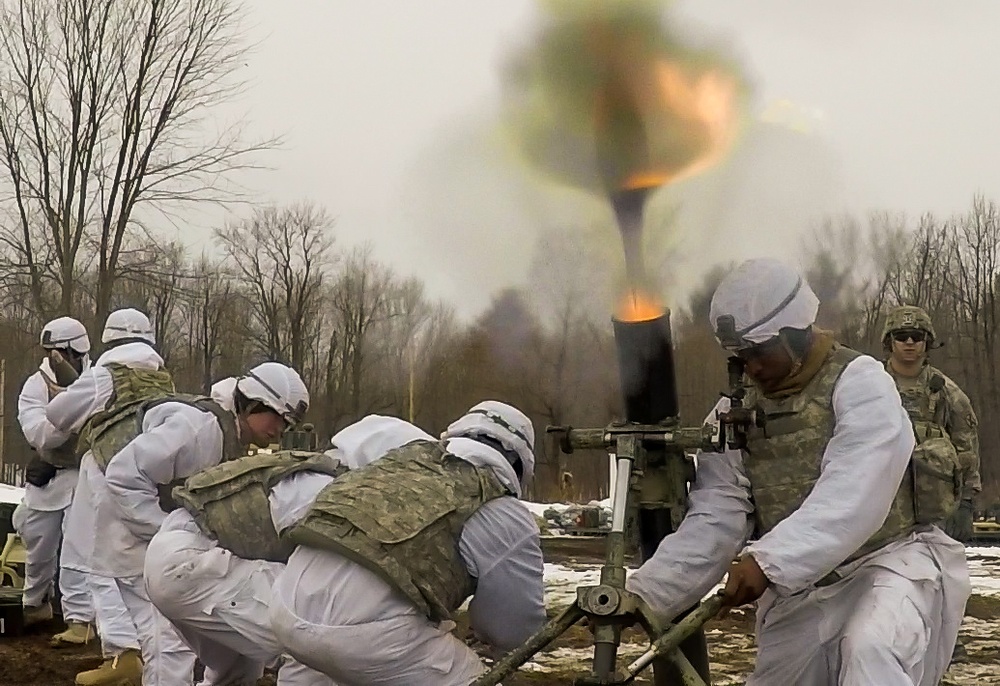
[(76, 634), (124, 670), (37, 614)]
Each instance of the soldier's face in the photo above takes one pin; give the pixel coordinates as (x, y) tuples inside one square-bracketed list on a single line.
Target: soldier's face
[(767, 362), (908, 346), (265, 427)]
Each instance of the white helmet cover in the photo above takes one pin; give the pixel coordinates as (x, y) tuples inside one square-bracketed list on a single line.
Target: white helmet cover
[(373, 436), (504, 423), (128, 323), (279, 387), (65, 332), (223, 392), (757, 300)]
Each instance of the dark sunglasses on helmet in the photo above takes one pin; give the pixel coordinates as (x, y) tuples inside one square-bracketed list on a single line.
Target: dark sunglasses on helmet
[(915, 335)]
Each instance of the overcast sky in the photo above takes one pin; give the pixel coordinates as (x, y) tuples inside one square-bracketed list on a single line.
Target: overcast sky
[(387, 107)]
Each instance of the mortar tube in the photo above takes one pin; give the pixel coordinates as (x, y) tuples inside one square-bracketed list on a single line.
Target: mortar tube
[(646, 369)]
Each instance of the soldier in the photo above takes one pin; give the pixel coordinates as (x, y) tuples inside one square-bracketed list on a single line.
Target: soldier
[(388, 551), (938, 409), (50, 482), (129, 369), (211, 566), (937, 406), (853, 585), (168, 439)]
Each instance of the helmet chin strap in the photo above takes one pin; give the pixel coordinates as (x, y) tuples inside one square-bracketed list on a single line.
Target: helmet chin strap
[(796, 358)]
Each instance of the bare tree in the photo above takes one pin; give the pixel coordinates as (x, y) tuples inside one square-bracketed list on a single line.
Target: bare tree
[(363, 299), (283, 256), (102, 112)]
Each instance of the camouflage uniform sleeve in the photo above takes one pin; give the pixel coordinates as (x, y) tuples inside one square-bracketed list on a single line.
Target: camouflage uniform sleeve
[(963, 427)]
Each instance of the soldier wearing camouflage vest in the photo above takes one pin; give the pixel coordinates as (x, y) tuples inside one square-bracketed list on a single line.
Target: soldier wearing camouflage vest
[(211, 566), (129, 348), (388, 551), (177, 437), (944, 422), (854, 585), (941, 413), (51, 478)]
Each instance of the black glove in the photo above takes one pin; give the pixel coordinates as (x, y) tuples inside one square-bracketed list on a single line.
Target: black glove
[(959, 525), (64, 372), (39, 472)]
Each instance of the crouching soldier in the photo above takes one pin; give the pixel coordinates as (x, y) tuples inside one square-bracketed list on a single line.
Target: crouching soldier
[(388, 551), (168, 440), (211, 566)]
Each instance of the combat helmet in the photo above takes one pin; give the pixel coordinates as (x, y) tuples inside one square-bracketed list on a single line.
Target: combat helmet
[(908, 317)]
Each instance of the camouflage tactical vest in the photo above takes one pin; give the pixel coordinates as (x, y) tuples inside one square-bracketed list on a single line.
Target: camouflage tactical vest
[(111, 429), (783, 456), (937, 471), (230, 501), (924, 402), (66, 456), (401, 517)]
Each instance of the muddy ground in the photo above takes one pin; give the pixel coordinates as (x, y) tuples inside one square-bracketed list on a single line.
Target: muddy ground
[(29, 661)]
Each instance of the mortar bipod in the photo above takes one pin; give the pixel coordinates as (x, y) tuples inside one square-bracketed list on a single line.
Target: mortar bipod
[(608, 606)]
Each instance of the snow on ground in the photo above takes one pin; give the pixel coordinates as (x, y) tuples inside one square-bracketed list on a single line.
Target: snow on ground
[(561, 582), (733, 653), (538, 509), (984, 568), (11, 495)]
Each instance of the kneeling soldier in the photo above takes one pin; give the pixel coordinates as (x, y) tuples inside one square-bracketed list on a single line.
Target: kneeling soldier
[(210, 568), (387, 552)]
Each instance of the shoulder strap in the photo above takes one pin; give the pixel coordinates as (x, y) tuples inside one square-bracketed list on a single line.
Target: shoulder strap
[(231, 446)]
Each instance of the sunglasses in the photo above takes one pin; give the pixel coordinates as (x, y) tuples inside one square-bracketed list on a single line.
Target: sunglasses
[(916, 336), (759, 350)]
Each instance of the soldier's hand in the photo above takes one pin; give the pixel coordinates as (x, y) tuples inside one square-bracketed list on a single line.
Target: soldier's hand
[(959, 525), (745, 583), (38, 472), (64, 372)]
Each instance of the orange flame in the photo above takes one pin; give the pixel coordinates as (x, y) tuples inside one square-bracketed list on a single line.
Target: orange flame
[(709, 102), (639, 306), (701, 108), (645, 180)]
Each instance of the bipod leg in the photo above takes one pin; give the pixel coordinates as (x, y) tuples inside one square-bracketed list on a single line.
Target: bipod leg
[(668, 643), (509, 663)]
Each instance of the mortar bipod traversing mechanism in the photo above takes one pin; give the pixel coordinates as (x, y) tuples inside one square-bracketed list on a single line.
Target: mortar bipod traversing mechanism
[(653, 466)]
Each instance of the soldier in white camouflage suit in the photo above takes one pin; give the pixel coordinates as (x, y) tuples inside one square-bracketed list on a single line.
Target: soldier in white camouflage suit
[(211, 566), (387, 552), (854, 584)]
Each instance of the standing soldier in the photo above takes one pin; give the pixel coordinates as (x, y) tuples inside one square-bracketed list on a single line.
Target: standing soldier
[(50, 481), (937, 407)]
